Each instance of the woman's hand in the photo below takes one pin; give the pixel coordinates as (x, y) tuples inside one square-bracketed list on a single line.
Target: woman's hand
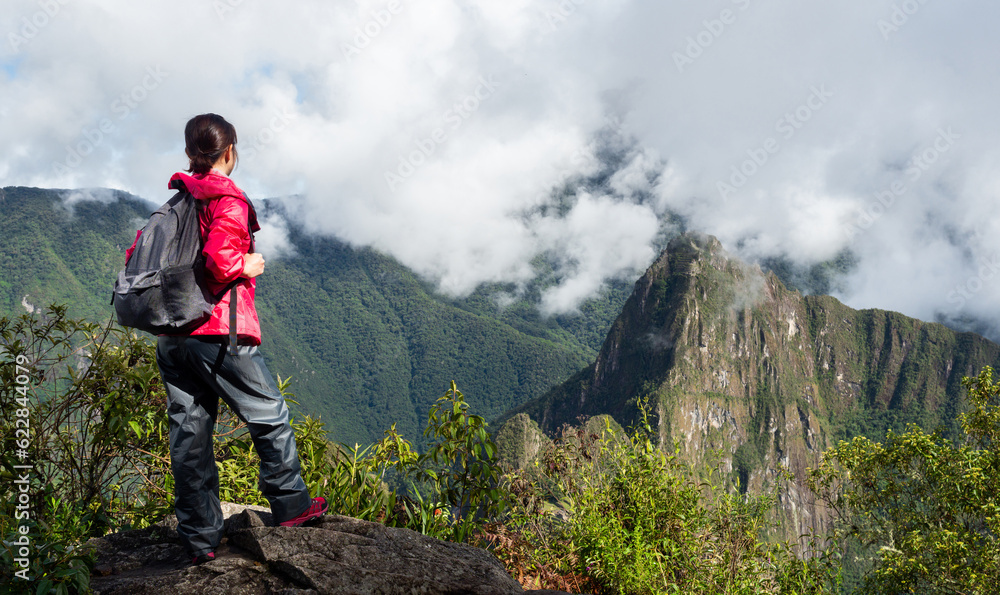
[(253, 265)]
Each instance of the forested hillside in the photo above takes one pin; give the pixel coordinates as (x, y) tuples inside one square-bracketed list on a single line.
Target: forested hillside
[(367, 342)]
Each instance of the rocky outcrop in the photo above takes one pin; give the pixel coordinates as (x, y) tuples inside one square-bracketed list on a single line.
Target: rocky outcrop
[(335, 555), (731, 361), (519, 441)]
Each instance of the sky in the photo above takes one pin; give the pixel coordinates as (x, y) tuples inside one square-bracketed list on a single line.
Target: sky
[(472, 138)]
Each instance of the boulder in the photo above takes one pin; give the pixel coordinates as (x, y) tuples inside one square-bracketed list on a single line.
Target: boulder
[(334, 554)]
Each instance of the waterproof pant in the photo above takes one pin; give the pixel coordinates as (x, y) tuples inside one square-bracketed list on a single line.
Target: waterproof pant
[(196, 373)]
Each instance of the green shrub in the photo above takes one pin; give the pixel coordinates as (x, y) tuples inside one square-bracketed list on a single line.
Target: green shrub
[(616, 514), (447, 491), (82, 421), (924, 511)]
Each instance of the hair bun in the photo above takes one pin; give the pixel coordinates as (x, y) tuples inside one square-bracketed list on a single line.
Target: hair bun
[(206, 138)]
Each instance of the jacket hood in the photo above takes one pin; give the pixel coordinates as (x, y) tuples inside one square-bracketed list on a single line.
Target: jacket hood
[(212, 185), (205, 186)]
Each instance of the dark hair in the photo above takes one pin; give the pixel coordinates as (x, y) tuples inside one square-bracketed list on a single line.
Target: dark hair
[(206, 138)]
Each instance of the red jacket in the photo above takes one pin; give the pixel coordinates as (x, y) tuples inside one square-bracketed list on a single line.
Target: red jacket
[(224, 222)]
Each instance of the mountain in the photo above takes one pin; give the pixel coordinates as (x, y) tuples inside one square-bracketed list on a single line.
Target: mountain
[(366, 341), (732, 361)]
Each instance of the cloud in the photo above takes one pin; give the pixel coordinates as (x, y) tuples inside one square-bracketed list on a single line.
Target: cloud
[(469, 139), (101, 195), (272, 240), (598, 239)]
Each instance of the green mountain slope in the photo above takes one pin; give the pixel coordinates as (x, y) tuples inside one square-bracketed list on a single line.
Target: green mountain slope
[(731, 360), (53, 253), (366, 341), (372, 346)]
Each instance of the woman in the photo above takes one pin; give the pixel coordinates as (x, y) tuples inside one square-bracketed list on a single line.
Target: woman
[(198, 369)]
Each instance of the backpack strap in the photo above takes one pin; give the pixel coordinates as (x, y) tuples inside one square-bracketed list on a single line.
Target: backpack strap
[(233, 348)]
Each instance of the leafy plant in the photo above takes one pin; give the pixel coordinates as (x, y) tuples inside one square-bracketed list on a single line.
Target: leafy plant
[(459, 465), (446, 491), (80, 412), (924, 510), (615, 513)]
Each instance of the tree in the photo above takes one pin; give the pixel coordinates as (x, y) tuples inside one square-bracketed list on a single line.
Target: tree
[(81, 413), (924, 510)]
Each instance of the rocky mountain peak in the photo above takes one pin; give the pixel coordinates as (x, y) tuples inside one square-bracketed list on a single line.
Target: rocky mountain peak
[(733, 362)]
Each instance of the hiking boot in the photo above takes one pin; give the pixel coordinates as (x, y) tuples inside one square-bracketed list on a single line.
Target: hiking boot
[(316, 509), (206, 557)]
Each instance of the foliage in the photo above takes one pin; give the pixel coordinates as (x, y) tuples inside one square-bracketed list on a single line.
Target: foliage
[(79, 414), (925, 509), (460, 464), (53, 567), (446, 492), (617, 514), (95, 434)]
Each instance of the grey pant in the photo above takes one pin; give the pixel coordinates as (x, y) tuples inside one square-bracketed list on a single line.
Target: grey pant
[(196, 373)]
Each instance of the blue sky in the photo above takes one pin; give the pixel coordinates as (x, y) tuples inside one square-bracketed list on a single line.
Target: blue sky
[(785, 128), (10, 67)]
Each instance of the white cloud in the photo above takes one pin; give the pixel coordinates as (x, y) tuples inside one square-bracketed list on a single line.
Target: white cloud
[(600, 238), (272, 240)]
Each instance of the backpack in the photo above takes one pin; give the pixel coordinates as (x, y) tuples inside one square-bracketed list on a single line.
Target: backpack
[(161, 289)]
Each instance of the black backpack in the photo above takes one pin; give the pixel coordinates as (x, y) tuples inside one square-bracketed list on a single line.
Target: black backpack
[(162, 289)]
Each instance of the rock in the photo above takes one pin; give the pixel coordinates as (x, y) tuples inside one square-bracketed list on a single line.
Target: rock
[(519, 440), (231, 508), (335, 555), (341, 554), (123, 552), (235, 519)]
